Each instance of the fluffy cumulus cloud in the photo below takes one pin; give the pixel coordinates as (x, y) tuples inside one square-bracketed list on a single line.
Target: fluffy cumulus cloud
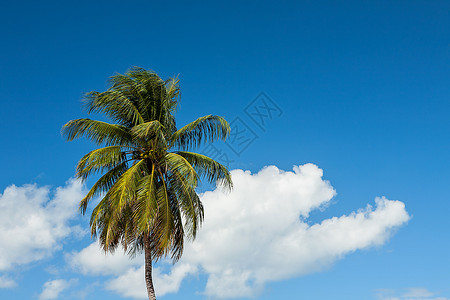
[(409, 294), (93, 261), (53, 288), (259, 233), (128, 273), (132, 283), (33, 221)]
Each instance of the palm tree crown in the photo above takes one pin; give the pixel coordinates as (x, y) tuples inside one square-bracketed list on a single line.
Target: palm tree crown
[(147, 188)]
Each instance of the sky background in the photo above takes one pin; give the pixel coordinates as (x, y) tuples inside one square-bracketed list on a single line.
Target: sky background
[(360, 91)]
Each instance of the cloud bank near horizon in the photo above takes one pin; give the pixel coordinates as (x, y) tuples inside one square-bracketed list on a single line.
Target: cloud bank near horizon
[(256, 234)]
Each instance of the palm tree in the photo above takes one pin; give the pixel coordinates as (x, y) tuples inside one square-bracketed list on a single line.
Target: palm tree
[(148, 199)]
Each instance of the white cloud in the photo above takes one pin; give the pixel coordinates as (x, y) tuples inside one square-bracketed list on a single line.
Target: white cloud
[(6, 282), (258, 234), (93, 261), (33, 221), (417, 293), (129, 278), (132, 283), (53, 288)]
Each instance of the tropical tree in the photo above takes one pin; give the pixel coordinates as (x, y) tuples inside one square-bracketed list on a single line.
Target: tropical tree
[(149, 178)]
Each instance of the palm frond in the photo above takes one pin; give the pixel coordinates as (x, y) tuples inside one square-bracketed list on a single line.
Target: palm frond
[(103, 185), (146, 206), (208, 168), (188, 202), (182, 183), (123, 192), (173, 88), (155, 99), (177, 234), (110, 211), (177, 164), (150, 131), (117, 104), (205, 129), (101, 160), (163, 224), (97, 131)]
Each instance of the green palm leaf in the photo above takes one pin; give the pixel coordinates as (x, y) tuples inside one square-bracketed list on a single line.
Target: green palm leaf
[(203, 130), (207, 167), (97, 131), (100, 160), (146, 206), (103, 185), (152, 131), (115, 104)]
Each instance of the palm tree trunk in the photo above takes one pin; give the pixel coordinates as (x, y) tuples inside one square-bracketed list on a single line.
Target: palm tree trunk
[(148, 269)]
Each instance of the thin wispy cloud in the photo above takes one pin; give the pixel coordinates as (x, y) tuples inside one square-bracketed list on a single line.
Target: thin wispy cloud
[(417, 293), (6, 282)]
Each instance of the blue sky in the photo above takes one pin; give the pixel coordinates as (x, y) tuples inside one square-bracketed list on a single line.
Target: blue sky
[(360, 90)]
